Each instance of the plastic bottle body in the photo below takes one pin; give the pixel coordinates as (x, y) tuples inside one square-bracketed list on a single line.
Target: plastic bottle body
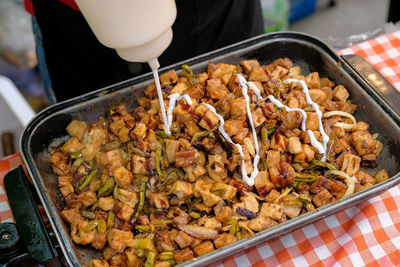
[(139, 30)]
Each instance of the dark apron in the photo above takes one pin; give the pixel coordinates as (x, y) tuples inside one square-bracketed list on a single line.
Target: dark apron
[(78, 63)]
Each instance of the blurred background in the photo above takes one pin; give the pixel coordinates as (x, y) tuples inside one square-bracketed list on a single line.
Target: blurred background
[(340, 23)]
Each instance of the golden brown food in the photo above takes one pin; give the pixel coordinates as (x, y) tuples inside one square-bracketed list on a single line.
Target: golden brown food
[(143, 196)]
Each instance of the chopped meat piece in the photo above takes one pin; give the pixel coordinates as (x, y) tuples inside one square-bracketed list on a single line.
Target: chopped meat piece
[(77, 128), (312, 122), (183, 255), (279, 142), (339, 146), (360, 126), (168, 78), (98, 263), (59, 163), (87, 198), (317, 95), (248, 65), (340, 93), (369, 160), (171, 146), (183, 239), (351, 164), (294, 146), (99, 241), (381, 175), (312, 80), (223, 213), (182, 189), (258, 74), (106, 203), (117, 239), (224, 239), (322, 198), (159, 200), (262, 183), (261, 223), (80, 235), (125, 213), (71, 216), (273, 211), (203, 248)]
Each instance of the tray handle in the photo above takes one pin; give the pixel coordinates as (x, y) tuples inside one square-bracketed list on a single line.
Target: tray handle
[(375, 80), (27, 216)]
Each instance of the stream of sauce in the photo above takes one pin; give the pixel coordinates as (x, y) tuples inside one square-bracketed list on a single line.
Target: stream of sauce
[(161, 100)]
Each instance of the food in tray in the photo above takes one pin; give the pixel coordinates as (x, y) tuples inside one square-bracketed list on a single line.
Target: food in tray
[(250, 147)]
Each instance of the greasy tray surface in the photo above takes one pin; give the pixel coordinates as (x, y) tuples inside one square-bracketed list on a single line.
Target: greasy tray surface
[(48, 128)]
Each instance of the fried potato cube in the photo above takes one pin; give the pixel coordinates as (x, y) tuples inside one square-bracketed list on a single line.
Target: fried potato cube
[(363, 142), (295, 146), (209, 120), (203, 248), (258, 74), (312, 80), (125, 212), (233, 126), (159, 200), (306, 156), (106, 203), (224, 240), (183, 255), (77, 128), (360, 126), (262, 183), (87, 198), (168, 78), (312, 122), (183, 240), (317, 95), (98, 263), (223, 213), (182, 189), (117, 239), (279, 72), (279, 142), (238, 108), (222, 69), (340, 93), (258, 117), (216, 89), (339, 146), (273, 211), (381, 176), (248, 65), (261, 223)]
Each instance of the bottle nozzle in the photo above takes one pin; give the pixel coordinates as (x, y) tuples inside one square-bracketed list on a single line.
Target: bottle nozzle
[(154, 65)]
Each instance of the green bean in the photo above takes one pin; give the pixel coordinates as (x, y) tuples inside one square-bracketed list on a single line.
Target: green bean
[(88, 214), (309, 109), (158, 164), (295, 184), (163, 135), (110, 219), (143, 243), (238, 69), (234, 226), (199, 135), (143, 228), (304, 177), (317, 163), (101, 226), (271, 131), (75, 155), (77, 163), (124, 157), (88, 179), (264, 136), (175, 128), (187, 69), (92, 225), (305, 198), (277, 94), (142, 195), (132, 149), (195, 215), (160, 224), (166, 256), (94, 206), (282, 195), (115, 192), (112, 145), (107, 188), (140, 252), (151, 258)]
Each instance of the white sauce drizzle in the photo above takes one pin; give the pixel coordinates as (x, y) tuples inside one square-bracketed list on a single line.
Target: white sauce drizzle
[(325, 137), (246, 178), (255, 171), (172, 101), (161, 100)]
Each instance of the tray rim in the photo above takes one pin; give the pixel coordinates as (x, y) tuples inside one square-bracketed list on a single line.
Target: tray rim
[(241, 245)]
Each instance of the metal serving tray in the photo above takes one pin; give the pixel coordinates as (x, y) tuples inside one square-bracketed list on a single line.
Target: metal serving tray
[(48, 128)]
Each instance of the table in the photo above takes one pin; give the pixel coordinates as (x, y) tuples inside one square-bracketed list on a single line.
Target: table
[(366, 234)]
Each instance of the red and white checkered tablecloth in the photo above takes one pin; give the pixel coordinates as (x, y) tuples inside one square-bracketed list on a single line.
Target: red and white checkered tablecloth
[(366, 234)]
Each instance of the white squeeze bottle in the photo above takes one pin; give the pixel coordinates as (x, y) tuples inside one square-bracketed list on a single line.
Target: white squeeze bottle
[(139, 30)]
